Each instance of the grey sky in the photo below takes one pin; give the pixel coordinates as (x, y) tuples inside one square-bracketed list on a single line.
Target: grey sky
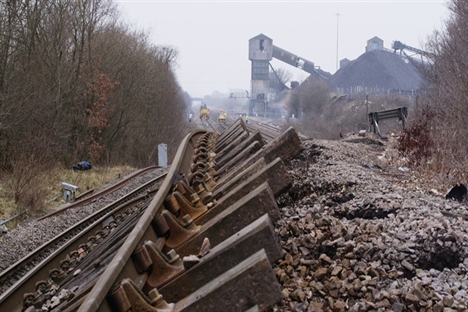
[(212, 36)]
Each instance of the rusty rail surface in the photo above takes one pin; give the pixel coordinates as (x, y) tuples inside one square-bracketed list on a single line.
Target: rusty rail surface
[(38, 265), (2, 222), (112, 188), (204, 242)]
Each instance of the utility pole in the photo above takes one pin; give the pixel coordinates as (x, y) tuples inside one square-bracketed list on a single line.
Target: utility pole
[(337, 33), (367, 110)]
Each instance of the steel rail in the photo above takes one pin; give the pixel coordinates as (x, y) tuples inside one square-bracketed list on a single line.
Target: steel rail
[(101, 193), (181, 165), (2, 222), (61, 245), (228, 184)]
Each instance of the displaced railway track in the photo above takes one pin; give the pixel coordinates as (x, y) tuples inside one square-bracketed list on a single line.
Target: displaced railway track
[(205, 241)]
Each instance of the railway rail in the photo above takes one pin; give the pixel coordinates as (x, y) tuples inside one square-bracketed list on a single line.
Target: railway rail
[(87, 198), (269, 132), (204, 241), (59, 254)]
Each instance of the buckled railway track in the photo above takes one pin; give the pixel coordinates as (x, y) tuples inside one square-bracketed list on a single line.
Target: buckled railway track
[(204, 242)]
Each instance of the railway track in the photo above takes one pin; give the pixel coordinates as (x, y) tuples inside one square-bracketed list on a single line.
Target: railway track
[(59, 254), (269, 132), (204, 241), (87, 198)]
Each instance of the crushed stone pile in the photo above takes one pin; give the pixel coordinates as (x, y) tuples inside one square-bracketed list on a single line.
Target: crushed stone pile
[(359, 233)]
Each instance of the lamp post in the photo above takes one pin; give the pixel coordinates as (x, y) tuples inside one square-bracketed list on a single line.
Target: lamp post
[(367, 110), (337, 28)]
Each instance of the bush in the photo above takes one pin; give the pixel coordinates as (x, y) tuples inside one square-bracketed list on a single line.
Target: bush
[(416, 142)]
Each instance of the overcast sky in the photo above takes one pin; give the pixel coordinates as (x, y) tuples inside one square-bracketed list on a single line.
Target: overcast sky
[(212, 36)]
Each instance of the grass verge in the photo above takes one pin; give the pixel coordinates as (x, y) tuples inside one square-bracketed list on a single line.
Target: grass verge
[(46, 191)]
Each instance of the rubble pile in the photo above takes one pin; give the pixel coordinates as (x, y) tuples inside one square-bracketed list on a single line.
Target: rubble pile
[(358, 234)]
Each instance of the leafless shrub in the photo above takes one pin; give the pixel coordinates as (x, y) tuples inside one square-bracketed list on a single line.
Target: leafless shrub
[(416, 143), (446, 79), (328, 116), (25, 173)]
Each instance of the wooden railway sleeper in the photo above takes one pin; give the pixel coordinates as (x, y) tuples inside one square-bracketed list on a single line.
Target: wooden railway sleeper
[(128, 297), (228, 133), (256, 236), (233, 136), (235, 128), (179, 206)]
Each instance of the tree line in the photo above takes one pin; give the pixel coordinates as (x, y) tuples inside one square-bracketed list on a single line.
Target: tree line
[(436, 139), (77, 83)]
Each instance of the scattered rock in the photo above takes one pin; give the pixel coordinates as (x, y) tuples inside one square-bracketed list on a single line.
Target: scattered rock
[(369, 239)]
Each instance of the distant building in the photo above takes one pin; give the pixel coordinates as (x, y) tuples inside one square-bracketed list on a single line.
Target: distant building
[(374, 44), (378, 71)]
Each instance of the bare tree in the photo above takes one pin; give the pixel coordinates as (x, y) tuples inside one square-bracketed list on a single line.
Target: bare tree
[(279, 79), (309, 97), (444, 108), (75, 83)]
